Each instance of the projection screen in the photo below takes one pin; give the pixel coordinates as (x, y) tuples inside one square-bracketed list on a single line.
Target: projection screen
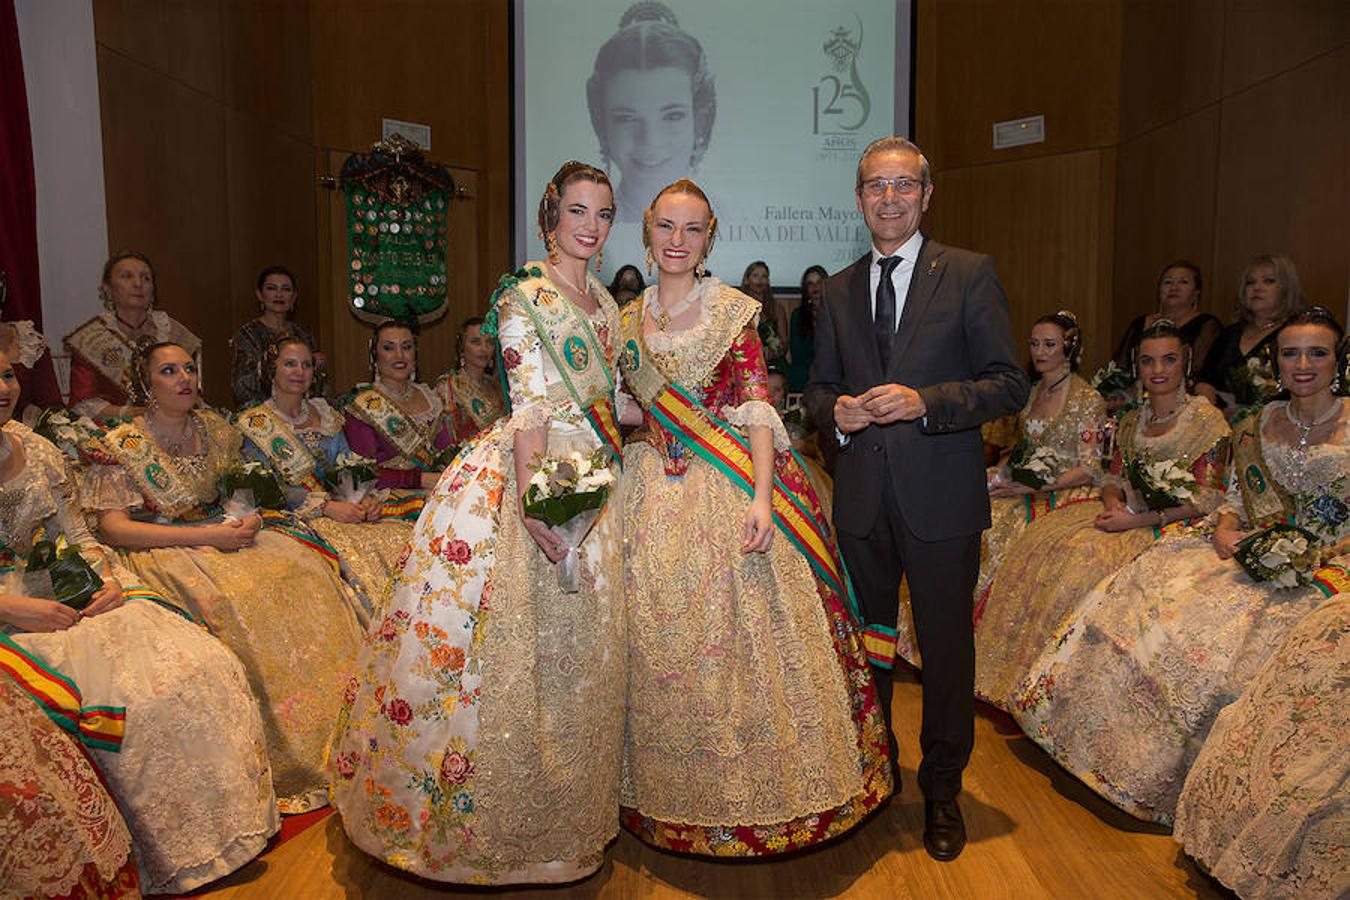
[(765, 103)]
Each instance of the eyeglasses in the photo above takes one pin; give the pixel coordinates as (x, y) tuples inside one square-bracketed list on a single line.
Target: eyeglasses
[(904, 186)]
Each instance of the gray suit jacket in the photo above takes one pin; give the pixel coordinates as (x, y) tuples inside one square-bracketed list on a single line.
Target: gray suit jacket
[(954, 345)]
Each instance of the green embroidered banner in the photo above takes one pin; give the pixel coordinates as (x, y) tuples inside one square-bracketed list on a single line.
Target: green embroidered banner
[(396, 207)]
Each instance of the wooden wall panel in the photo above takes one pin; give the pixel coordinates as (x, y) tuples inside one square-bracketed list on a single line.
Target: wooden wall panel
[(1014, 58), (1284, 176), (1172, 60), (165, 172), (180, 40), (1046, 222), (267, 64), (1164, 211), (1263, 38)]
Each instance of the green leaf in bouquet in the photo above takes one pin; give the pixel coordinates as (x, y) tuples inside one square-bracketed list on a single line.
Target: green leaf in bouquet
[(74, 581), (331, 475), (267, 493), (1017, 462), (555, 511), (1253, 554)]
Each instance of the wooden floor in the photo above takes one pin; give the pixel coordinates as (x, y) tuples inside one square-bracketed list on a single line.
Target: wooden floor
[(1034, 832)]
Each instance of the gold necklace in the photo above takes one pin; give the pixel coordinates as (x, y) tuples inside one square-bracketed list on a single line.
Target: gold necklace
[(398, 395), (177, 446), (567, 281)]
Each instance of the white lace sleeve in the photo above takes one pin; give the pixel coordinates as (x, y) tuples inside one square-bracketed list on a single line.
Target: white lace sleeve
[(758, 412)]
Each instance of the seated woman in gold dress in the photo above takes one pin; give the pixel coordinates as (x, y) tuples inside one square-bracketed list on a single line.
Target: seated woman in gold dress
[(753, 723), (193, 747), (1168, 465), (152, 485), (301, 439), (472, 393)]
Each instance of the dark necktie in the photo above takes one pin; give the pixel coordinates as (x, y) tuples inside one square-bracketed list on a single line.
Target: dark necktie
[(884, 322)]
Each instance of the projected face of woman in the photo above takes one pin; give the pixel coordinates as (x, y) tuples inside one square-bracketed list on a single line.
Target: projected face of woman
[(649, 128)]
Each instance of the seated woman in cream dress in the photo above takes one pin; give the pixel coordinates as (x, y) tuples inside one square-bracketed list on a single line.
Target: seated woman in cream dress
[(1059, 558), (151, 483), (1264, 807), (485, 722), (1062, 426), (1126, 693), (193, 751), (753, 723), (300, 438)]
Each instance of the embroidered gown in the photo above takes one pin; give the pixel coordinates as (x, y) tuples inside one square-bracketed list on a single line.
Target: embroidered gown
[(485, 721), (403, 444), (1127, 691), (753, 726), (61, 834), (370, 552), (1264, 806), (1074, 435), (469, 408), (281, 607), (100, 354), (1058, 559), (193, 747)]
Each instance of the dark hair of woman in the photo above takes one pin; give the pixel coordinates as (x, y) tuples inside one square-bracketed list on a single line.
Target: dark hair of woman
[(806, 313), (550, 205), (137, 375), (464, 327), (410, 325), (276, 270), (1073, 334), (1164, 328), (617, 284)]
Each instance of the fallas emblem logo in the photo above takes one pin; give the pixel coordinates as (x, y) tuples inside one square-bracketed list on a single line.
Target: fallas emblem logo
[(840, 104)]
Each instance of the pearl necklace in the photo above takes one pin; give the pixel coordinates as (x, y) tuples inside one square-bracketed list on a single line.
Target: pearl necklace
[(664, 315), (1151, 418), (297, 421), (177, 446), (1305, 428), (401, 396)]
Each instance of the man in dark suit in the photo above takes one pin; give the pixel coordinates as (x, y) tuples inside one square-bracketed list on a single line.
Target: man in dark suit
[(914, 350)]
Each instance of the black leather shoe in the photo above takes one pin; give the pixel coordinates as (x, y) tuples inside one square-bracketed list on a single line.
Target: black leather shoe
[(944, 831)]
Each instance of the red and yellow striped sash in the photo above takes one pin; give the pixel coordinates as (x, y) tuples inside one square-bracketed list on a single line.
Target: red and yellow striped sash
[(719, 444), (99, 727)]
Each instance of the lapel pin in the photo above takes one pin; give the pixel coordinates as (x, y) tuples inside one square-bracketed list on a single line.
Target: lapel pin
[(932, 267)]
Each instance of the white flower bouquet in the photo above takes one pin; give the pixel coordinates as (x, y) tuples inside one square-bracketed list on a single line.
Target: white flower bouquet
[(66, 430), (1283, 555), (1161, 484), (1111, 379), (1034, 467), (249, 486), (567, 493), (349, 478)]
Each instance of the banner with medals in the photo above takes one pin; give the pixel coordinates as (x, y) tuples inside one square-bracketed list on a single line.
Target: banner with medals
[(396, 209)]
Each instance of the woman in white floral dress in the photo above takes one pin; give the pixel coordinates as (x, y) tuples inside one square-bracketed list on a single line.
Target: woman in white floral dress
[(484, 725), (1126, 693)]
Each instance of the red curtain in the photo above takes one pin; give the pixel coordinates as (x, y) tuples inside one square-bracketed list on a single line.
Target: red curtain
[(18, 210)]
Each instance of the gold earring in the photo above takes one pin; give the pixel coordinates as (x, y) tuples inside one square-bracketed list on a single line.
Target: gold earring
[(700, 271), (651, 261), (599, 258)]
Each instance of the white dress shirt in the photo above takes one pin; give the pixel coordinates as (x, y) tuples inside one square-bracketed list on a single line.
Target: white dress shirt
[(900, 275)]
